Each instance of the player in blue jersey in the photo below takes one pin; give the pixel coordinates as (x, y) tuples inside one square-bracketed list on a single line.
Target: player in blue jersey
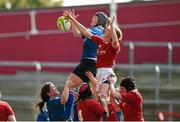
[(59, 107), (89, 54)]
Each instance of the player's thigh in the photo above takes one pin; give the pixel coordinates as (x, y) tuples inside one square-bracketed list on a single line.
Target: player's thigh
[(104, 88), (74, 79)]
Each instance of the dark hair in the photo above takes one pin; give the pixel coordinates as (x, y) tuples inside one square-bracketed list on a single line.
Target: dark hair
[(102, 19), (128, 83), (44, 95), (84, 92)]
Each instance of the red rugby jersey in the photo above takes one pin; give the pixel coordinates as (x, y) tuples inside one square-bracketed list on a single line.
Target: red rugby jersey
[(91, 109), (112, 113), (5, 111), (106, 54), (132, 106)]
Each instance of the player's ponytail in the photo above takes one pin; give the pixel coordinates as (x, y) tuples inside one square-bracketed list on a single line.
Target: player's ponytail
[(40, 105), (44, 96)]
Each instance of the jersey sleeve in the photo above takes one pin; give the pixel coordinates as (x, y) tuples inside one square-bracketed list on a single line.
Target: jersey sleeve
[(9, 110), (98, 40), (69, 104)]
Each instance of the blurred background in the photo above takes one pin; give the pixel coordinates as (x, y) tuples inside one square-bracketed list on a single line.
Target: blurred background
[(33, 51)]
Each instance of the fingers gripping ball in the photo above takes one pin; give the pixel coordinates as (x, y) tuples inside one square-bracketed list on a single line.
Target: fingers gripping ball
[(63, 24)]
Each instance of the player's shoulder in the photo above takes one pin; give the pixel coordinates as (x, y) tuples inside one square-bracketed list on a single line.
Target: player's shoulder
[(96, 28), (3, 103)]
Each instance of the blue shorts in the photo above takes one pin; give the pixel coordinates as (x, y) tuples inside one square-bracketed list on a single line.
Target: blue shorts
[(85, 65)]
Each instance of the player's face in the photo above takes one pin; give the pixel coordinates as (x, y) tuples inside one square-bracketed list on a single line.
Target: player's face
[(123, 89), (94, 20), (107, 34), (53, 91)]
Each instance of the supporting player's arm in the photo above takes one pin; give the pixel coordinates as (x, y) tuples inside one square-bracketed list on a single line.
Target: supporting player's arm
[(93, 82), (69, 15), (115, 103), (114, 93), (80, 116), (91, 77), (65, 93)]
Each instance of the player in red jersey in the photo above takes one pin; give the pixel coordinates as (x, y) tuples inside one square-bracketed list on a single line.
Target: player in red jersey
[(6, 112), (131, 99), (91, 109), (109, 47)]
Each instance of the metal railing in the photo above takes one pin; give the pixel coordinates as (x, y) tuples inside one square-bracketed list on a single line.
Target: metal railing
[(132, 45), (155, 67), (131, 67)]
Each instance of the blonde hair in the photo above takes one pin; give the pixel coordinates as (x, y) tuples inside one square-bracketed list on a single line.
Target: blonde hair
[(118, 32)]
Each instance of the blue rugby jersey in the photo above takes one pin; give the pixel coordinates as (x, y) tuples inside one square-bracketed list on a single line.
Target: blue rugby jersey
[(69, 105), (58, 111), (42, 116), (89, 47)]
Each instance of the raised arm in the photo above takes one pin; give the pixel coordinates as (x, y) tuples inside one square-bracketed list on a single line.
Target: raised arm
[(114, 93), (70, 15), (75, 31), (116, 33), (94, 83), (65, 93), (91, 77)]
